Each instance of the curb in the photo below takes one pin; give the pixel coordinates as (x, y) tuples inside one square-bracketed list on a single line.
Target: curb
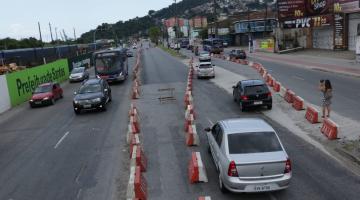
[(348, 155)]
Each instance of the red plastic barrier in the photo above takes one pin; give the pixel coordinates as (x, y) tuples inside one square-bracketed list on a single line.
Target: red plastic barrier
[(134, 121), (193, 169), (329, 129), (192, 138), (276, 86), (289, 96), (204, 198), (298, 103), (312, 115), (140, 184), (188, 122)]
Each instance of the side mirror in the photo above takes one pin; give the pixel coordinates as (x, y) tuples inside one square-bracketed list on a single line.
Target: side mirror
[(208, 129), (234, 86), (213, 65)]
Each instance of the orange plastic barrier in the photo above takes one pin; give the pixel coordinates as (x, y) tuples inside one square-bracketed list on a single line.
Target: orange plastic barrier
[(289, 96), (298, 103), (312, 115), (329, 129)]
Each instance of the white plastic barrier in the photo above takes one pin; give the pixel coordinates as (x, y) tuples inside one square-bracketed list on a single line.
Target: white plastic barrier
[(4, 95)]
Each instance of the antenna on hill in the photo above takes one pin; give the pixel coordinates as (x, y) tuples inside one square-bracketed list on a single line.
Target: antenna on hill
[(40, 32), (52, 39), (75, 34)]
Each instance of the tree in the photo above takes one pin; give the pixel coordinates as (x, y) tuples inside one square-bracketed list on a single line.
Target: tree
[(154, 34), (151, 12)]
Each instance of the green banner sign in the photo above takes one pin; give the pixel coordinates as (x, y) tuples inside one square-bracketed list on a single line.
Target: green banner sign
[(21, 84)]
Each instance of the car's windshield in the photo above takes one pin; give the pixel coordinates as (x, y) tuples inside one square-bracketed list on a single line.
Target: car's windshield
[(205, 66), (78, 70), (256, 89), (43, 89), (256, 142), (204, 53), (90, 88)]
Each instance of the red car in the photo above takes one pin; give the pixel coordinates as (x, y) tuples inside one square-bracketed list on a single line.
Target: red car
[(46, 94)]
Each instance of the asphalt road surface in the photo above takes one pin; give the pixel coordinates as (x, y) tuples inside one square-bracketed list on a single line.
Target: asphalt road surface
[(50, 153), (315, 175)]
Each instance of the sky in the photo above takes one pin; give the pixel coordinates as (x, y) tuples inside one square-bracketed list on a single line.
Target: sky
[(19, 18)]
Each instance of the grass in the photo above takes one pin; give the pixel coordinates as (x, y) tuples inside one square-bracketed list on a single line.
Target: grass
[(171, 52)]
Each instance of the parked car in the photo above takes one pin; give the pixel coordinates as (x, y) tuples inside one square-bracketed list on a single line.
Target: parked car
[(205, 70), (94, 94), (78, 74), (225, 44), (248, 156), (204, 56), (237, 54), (46, 94), (252, 93)]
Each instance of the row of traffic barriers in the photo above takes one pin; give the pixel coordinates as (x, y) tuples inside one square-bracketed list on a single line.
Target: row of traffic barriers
[(137, 185), (329, 127), (196, 167)]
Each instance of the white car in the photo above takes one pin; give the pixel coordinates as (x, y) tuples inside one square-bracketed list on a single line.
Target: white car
[(205, 70)]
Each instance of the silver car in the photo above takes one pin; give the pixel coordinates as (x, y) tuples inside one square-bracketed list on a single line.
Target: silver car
[(249, 156), (205, 70), (204, 56), (78, 74)]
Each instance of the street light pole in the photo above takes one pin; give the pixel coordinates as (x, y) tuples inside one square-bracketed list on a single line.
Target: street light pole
[(94, 39)]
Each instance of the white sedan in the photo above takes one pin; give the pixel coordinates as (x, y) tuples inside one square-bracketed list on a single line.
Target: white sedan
[(205, 70)]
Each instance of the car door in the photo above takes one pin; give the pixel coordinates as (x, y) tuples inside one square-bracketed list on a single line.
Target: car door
[(212, 141), (217, 146)]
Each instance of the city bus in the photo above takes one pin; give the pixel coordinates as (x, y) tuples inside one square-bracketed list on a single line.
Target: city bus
[(213, 45), (111, 64)]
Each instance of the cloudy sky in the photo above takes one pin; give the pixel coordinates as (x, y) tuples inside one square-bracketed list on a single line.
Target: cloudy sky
[(19, 18)]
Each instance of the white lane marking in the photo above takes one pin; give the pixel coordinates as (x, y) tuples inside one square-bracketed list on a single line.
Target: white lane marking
[(79, 193), (298, 77), (61, 139), (272, 197), (211, 123)]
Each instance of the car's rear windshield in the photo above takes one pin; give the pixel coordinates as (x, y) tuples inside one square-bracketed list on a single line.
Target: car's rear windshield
[(256, 142), (256, 89), (205, 66)]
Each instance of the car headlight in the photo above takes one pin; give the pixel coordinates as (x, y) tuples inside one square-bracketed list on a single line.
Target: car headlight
[(46, 98), (97, 100), (76, 101), (31, 100)]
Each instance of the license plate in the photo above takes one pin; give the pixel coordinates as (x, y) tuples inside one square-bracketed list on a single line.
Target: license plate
[(262, 188), (258, 102), (37, 102), (87, 106)]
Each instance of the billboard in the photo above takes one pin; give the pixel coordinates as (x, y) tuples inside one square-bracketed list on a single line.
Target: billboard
[(290, 9), (21, 84), (308, 22)]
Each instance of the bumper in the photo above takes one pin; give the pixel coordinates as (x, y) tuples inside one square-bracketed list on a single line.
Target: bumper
[(205, 75), (255, 103), (76, 79), (40, 102), (115, 79), (237, 185), (90, 106)]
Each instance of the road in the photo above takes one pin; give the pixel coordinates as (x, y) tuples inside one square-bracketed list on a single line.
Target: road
[(304, 82), (50, 153), (315, 175)]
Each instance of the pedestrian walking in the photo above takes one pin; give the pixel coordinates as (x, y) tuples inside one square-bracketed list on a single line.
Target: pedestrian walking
[(327, 92)]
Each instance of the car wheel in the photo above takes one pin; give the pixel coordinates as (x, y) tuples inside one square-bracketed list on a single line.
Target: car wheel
[(242, 108), (31, 106), (104, 107), (209, 149), (234, 98), (61, 96), (77, 112), (52, 101), (221, 185), (110, 98), (269, 107)]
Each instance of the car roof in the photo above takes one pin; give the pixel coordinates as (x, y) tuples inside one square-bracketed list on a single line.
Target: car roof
[(245, 125), (250, 82), (92, 81)]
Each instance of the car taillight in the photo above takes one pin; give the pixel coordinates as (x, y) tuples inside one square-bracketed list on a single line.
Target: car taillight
[(287, 166), (269, 94), (232, 169), (244, 97)]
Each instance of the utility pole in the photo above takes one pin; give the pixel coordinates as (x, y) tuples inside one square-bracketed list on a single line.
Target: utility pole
[(176, 21), (75, 34), (216, 22), (65, 36), (56, 34), (266, 13), (52, 39), (40, 33)]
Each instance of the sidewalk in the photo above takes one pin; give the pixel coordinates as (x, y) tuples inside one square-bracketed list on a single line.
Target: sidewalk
[(330, 61)]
